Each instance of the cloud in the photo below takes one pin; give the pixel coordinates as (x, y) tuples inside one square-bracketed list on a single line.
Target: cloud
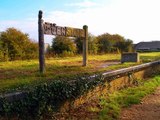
[(84, 4), (28, 26), (137, 20)]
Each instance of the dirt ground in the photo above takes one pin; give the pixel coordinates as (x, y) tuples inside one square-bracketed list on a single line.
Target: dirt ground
[(149, 109)]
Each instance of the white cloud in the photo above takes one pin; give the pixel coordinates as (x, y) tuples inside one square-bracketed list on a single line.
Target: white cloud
[(137, 20), (85, 4), (134, 19), (28, 26)]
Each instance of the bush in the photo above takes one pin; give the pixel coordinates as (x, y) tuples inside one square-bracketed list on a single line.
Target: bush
[(92, 44), (115, 43), (47, 98), (63, 46), (67, 54), (16, 45)]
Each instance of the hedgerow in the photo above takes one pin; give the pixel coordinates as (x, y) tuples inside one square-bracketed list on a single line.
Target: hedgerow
[(46, 98)]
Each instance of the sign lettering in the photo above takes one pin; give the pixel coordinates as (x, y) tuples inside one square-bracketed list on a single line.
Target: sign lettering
[(52, 29), (74, 32)]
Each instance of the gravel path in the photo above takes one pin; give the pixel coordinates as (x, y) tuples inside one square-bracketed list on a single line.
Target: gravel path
[(149, 109)]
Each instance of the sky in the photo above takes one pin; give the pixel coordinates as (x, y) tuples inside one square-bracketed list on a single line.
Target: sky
[(138, 20)]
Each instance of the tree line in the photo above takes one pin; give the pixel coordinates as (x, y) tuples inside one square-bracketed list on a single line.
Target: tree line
[(102, 44), (16, 45)]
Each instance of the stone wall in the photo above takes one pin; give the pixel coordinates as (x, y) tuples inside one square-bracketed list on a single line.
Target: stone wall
[(114, 80), (129, 57)]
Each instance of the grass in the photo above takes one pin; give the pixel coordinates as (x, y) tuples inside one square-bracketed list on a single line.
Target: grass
[(18, 75), (112, 105), (148, 57)]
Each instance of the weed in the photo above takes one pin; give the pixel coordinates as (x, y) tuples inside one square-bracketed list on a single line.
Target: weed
[(114, 102)]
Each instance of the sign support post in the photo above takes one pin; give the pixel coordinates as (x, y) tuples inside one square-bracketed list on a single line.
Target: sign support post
[(53, 29), (85, 46), (41, 43)]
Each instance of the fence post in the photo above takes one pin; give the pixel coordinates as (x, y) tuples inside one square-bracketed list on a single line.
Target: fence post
[(41, 43), (85, 46)]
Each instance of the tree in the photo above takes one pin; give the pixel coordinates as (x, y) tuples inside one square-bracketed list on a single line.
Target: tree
[(92, 44), (107, 42), (63, 45), (31, 51), (15, 44), (79, 44), (1, 51), (124, 46)]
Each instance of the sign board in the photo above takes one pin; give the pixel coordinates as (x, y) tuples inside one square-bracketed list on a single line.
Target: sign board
[(52, 29)]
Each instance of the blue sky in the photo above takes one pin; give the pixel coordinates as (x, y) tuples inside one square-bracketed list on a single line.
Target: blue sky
[(23, 9), (138, 20)]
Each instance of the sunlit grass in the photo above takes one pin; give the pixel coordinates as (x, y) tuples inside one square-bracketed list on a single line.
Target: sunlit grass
[(112, 105), (147, 57), (19, 74)]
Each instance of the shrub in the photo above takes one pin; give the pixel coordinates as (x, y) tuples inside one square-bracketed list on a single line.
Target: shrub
[(63, 45), (47, 97), (16, 45)]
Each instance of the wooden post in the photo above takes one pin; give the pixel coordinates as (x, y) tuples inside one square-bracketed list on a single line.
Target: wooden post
[(41, 43), (85, 46)]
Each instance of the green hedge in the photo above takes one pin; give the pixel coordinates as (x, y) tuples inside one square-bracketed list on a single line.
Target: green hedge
[(47, 98)]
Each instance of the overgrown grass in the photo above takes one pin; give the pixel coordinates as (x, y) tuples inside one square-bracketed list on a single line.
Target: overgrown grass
[(112, 105), (149, 56), (19, 75)]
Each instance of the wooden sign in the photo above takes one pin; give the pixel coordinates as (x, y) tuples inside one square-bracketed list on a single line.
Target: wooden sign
[(74, 32), (52, 29)]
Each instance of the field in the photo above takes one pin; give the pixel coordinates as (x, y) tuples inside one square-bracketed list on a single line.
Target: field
[(18, 75)]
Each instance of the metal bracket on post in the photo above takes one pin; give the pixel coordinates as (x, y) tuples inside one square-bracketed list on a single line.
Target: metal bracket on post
[(85, 46), (41, 43)]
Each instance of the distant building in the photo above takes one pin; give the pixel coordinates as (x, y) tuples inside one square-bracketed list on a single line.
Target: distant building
[(148, 46)]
